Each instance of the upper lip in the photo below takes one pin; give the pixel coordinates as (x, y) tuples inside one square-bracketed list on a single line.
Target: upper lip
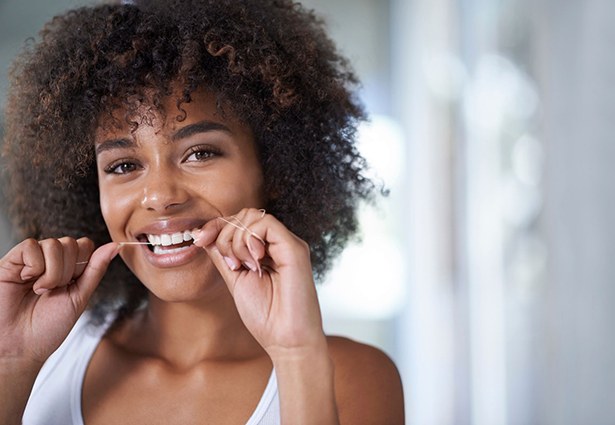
[(172, 225)]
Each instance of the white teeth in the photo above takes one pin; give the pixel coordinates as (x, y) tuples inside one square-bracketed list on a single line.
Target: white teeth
[(166, 240), (177, 238), (159, 250), (169, 239)]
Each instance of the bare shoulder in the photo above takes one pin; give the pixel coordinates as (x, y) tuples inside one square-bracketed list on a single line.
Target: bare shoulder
[(367, 384)]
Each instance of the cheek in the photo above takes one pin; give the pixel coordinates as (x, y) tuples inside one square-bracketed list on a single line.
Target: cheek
[(232, 194), (250, 183), (113, 206)]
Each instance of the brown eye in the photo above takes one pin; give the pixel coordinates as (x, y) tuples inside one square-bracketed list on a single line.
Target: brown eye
[(201, 153), (121, 168), (199, 156)]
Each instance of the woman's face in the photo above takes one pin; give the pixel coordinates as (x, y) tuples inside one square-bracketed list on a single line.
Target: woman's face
[(167, 178)]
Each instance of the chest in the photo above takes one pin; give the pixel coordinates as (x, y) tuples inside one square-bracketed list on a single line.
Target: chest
[(121, 389)]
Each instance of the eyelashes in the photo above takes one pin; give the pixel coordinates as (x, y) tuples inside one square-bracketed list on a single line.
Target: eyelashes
[(195, 154), (201, 153), (121, 166)]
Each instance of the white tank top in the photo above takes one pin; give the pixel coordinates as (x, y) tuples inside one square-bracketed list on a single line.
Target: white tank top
[(56, 396)]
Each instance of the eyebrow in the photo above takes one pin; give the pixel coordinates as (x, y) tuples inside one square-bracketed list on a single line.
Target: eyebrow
[(111, 144), (199, 127), (184, 132)]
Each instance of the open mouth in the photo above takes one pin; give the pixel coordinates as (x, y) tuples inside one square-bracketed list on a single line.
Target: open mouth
[(167, 243)]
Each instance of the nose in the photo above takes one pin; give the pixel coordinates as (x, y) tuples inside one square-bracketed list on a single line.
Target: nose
[(162, 191)]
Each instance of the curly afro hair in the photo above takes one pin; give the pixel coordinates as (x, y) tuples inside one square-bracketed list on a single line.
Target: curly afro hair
[(270, 60)]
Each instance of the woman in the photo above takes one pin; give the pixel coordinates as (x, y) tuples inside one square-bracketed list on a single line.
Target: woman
[(210, 145)]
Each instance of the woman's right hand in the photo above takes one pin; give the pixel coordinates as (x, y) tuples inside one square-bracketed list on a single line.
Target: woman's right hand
[(44, 288)]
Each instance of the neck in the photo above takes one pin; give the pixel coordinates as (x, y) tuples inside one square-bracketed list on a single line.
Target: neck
[(186, 334)]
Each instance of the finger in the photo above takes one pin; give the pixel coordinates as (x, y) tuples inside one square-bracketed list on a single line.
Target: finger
[(211, 234), (85, 249), (23, 263), (208, 234), (256, 247), (224, 243), (281, 247), (241, 245), (85, 285), (253, 240), (54, 265), (228, 273), (70, 250)]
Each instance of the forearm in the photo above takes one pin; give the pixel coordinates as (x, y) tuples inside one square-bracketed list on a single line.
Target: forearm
[(306, 389), (16, 381)]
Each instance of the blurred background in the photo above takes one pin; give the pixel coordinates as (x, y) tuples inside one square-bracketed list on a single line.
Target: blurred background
[(486, 274)]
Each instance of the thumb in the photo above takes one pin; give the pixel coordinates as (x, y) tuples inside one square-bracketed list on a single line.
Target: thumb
[(92, 275)]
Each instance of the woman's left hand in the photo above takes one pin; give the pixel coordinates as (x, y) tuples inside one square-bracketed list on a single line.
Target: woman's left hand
[(269, 274)]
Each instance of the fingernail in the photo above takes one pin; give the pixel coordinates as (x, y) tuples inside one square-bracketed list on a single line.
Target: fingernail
[(250, 265), (196, 234), (40, 291), (197, 237), (232, 264), (251, 248), (113, 253), (26, 276)]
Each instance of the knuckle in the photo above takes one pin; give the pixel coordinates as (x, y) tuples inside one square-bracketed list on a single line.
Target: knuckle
[(303, 245), (28, 246), (30, 243), (86, 243), (68, 240), (223, 245), (69, 244), (50, 243)]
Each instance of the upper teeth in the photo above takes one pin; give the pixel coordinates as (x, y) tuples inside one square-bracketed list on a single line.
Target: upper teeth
[(170, 238)]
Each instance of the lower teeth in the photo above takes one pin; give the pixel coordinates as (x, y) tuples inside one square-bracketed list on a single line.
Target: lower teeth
[(159, 249)]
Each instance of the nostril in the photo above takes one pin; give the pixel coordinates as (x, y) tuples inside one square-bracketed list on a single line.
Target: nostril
[(163, 195)]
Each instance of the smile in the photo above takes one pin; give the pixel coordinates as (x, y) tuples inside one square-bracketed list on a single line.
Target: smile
[(168, 243)]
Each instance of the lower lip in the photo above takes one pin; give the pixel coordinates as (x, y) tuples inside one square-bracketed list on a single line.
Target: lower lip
[(172, 259)]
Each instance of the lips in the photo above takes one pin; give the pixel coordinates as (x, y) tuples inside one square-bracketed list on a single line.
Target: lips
[(171, 241)]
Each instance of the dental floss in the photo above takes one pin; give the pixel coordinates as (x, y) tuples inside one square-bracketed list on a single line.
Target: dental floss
[(121, 244), (239, 226)]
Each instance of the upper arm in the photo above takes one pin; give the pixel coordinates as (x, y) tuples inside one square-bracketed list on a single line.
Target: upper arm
[(368, 387)]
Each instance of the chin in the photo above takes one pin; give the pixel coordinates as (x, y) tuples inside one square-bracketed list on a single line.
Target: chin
[(191, 285)]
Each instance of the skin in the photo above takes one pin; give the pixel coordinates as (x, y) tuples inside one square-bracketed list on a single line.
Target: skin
[(220, 314)]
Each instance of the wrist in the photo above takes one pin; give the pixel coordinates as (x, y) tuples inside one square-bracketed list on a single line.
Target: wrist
[(305, 378), (288, 355)]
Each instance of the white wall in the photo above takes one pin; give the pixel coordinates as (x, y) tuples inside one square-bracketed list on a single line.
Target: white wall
[(576, 349)]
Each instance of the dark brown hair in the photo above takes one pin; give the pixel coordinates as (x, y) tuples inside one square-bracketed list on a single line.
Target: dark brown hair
[(270, 60)]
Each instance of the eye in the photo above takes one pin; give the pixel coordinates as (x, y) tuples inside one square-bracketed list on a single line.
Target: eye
[(121, 167), (201, 153)]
